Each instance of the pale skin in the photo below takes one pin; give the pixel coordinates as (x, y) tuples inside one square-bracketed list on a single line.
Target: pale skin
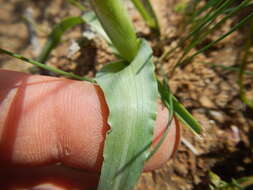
[(52, 132)]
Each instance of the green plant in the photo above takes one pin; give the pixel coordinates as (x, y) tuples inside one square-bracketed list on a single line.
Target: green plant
[(146, 10), (204, 21), (132, 100), (133, 80), (59, 29), (236, 184)]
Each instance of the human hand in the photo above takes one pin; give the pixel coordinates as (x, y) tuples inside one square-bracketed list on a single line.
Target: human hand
[(52, 132)]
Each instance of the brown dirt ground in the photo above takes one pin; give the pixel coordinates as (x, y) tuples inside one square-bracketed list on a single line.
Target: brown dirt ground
[(210, 94)]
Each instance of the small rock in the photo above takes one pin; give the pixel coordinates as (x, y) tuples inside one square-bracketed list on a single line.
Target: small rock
[(218, 116), (206, 102)]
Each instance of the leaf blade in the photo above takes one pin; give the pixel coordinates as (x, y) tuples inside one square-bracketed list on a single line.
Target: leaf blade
[(180, 111), (131, 120), (56, 34)]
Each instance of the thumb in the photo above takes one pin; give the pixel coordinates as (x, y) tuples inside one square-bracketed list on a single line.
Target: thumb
[(45, 120)]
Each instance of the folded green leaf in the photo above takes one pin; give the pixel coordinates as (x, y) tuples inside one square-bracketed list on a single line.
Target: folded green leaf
[(180, 111), (131, 93), (91, 19)]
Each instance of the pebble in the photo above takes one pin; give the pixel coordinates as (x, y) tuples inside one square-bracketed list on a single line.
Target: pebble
[(206, 102), (218, 116)]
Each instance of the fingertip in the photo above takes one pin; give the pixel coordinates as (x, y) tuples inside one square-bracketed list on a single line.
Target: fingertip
[(66, 121), (170, 143)]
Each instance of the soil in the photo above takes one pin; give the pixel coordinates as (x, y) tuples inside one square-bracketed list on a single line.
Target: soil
[(209, 93)]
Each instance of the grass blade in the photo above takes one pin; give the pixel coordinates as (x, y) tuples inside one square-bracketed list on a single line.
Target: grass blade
[(209, 17), (131, 97), (202, 33), (198, 25), (43, 66), (77, 4), (56, 34), (181, 112), (243, 65), (233, 29), (146, 10), (228, 68), (184, 116), (202, 27), (167, 99)]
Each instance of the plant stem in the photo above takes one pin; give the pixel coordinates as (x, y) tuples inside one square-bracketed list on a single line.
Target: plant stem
[(118, 26)]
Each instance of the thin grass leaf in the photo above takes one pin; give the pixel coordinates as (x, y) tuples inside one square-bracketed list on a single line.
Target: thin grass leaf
[(167, 99), (56, 34), (222, 21), (146, 10), (228, 68), (208, 5), (203, 32), (199, 25), (181, 112), (227, 11), (211, 7), (131, 97), (168, 102), (77, 4), (243, 65), (207, 18), (233, 29), (202, 27), (43, 66), (184, 116)]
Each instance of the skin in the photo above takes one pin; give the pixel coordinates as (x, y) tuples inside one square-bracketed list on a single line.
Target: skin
[(52, 133)]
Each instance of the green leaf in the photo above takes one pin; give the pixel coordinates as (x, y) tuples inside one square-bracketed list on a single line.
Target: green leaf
[(46, 67), (56, 34), (77, 4), (167, 101), (243, 65), (118, 26), (181, 112), (184, 116), (131, 94), (228, 68), (234, 28), (147, 12), (92, 20)]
